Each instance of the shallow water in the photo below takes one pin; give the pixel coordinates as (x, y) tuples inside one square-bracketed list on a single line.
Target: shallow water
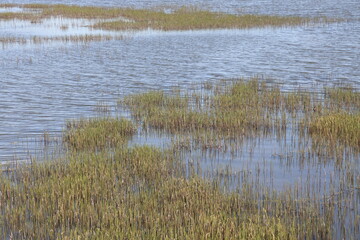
[(44, 84), (11, 10)]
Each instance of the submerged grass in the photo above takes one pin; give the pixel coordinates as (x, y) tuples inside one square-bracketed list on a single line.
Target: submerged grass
[(184, 18)]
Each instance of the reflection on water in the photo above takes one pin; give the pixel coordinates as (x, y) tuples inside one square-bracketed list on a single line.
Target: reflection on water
[(11, 10), (53, 28)]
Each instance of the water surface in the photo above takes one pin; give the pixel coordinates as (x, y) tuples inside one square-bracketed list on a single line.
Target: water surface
[(43, 85)]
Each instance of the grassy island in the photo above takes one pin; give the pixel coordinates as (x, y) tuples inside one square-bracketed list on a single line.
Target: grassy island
[(184, 18)]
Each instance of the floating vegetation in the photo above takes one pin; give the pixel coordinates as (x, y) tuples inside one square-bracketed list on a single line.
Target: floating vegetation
[(99, 133), (184, 18)]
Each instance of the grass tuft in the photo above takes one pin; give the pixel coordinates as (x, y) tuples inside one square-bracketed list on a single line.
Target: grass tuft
[(98, 133), (338, 126)]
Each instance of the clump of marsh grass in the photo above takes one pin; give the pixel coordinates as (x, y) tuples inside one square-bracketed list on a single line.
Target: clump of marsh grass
[(337, 126), (61, 10), (241, 109), (6, 5), (142, 192), (238, 109), (333, 124), (97, 133), (148, 104), (11, 15), (192, 19), (64, 39), (343, 97), (12, 40), (82, 194), (156, 99)]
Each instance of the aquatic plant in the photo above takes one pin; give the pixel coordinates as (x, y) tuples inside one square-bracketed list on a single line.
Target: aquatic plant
[(189, 19), (10, 15), (142, 192), (8, 40), (343, 97), (337, 126), (245, 108), (102, 188), (241, 109), (98, 133), (185, 18)]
